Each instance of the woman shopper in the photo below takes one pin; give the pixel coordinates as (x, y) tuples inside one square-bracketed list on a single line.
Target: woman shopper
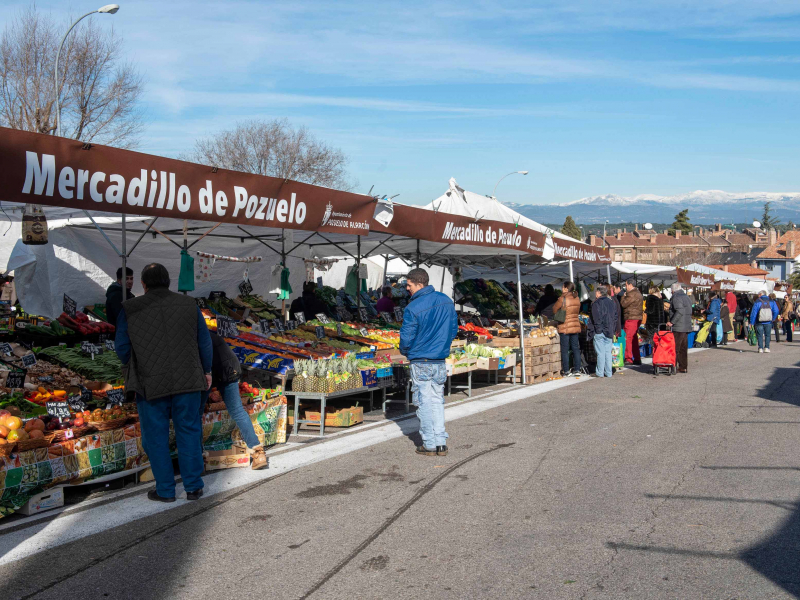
[(712, 315), (569, 328), (725, 320), (225, 373), (654, 312), (787, 316)]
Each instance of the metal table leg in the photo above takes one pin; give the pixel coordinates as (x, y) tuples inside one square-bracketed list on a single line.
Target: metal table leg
[(469, 384), (296, 415), (371, 398), (514, 375), (449, 384), (322, 415), (384, 401)]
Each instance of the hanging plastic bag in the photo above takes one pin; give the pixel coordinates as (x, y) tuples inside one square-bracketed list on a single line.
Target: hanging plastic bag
[(186, 277)]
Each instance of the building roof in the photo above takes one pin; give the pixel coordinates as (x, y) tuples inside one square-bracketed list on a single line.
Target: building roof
[(778, 250), (716, 240), (745, 270), (629, 239), (740, 239)]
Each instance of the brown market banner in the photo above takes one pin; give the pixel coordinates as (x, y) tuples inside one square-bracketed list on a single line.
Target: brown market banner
[(693, 278), (54, 171), (724, 285)]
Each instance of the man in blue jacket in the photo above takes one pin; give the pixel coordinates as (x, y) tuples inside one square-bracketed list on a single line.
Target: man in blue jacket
[(713, 316), (602, 327), (764, 312), (429, 326)]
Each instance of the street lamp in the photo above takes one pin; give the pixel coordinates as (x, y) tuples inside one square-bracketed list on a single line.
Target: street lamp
[(504, 176), (108, 9)]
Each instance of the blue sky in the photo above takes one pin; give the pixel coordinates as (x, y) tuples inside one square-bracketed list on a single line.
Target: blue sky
[(595, 97)]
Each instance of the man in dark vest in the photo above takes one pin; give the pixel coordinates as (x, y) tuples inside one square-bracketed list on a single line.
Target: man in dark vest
[(166, 353)]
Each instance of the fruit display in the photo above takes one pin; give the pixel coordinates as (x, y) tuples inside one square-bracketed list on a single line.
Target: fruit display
[(82, 325)]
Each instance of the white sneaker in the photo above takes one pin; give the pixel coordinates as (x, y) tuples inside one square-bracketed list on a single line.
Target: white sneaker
[(766, 350), (761, 351)]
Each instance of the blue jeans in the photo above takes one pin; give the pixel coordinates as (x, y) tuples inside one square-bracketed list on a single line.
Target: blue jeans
[(763, 332), (233, 402), (602, 347), (154, 417), (427, 385), (570, 340)]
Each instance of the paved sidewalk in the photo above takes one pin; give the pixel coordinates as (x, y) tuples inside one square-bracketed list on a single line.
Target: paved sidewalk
[(633, 487)]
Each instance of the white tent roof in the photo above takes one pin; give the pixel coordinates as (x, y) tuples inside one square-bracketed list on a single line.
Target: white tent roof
[(559, 271)]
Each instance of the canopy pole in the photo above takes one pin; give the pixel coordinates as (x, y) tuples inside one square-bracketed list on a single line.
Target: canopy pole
[(521, 322), (386, 271), (418, 254), (358, 273), (185, 243), (441, 286), (124, 255), (283, 264), (571, 276), (608, 273)]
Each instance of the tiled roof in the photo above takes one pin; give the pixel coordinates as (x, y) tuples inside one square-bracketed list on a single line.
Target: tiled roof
[(740, 239), (778, 250), (629, 239), (745, 270), (716, 240)]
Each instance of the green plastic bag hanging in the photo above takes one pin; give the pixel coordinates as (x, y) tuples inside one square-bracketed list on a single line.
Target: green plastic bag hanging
[(286, 287), (186, 278)]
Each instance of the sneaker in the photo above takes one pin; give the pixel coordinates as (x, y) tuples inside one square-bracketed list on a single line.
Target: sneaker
[(260, 460), (761, 351), (766, 350), (425, 452), (441, 450), (153, 495), (195, 495)]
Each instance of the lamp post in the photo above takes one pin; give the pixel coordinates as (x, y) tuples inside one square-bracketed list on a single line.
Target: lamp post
[(504, 176), (108, 9)]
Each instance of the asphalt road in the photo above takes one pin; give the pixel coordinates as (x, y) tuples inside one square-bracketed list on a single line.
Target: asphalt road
[(633, 487)]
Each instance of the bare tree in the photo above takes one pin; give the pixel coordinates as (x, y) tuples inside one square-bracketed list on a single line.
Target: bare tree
[(99, 94), (277, 149)]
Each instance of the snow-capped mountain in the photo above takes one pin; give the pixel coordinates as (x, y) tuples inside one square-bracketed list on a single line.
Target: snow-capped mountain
[(705, 206)]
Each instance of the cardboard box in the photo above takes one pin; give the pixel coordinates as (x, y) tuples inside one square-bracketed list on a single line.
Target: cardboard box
[(458, 343), (463, 365), (345, 417), (488, 364), (237, 456), (46, 500), (508, 361)]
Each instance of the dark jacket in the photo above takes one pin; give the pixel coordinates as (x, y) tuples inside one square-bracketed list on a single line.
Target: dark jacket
[(619, 315), (572, 305), (603, 318), (631, 303), (114, 302), (680, 312), (545, 305), (429, 325), (309, 305), (163, 344), (654, 309), (725, 319), (225, 366)]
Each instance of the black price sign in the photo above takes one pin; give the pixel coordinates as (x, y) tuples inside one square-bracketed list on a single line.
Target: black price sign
[(29, 360), (398, 314), (278, 325), (263, 326), (364, 332), (115, 397), (110, 345), (5, 349), (216, 295), (300, 317), (86, 394), (343, 313), (245, 288), (76, 403), (323, 318), (59, 410), (338, 329), (201, 302), (70, 307), (226, 327), (16, 379), (88, 348), (102, 338), (363, 314), (45, 378), (290, 325), (319, 330), (386, 317)]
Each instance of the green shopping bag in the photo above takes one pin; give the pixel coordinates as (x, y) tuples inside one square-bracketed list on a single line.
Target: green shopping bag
[(618, 353), (752, 338)]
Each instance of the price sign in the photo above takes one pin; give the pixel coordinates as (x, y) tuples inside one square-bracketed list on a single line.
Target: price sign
[(45, 378), (323, 318), (338, 328), (76, 403), (398, 314), (59, 410), (363, 314), (290, 325), (226, 327), (300, 317), (29, 360), (86, 394), (102, 338), (201, 302), (216, 295), (278, 325), (245, 288), (344, 314), (16, 379), (263, 326), (70, 307), (461, 322), (364, 331), (110, 345), (319, 330), (88, 348), (115, 397), (5, 349), (386, 317)]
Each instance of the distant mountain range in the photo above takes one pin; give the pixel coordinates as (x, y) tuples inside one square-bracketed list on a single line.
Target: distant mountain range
[(705, 207)]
